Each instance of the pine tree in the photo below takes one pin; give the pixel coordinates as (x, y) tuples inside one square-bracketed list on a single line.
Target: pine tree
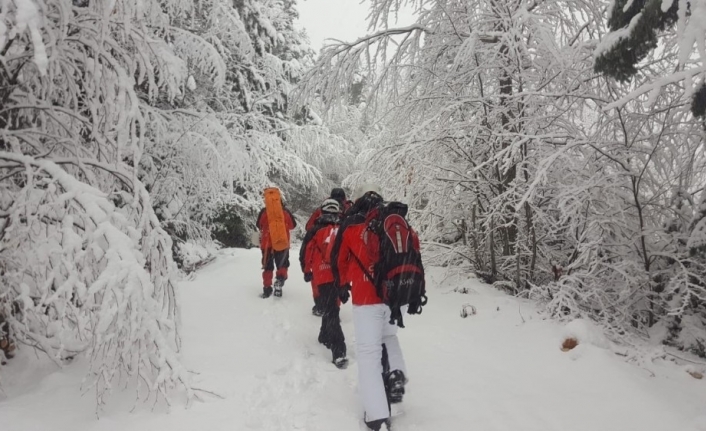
[(637, 29), (636, 33)]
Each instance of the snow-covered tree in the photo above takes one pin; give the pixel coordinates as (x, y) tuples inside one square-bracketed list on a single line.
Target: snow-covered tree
[(86, 266), (550, 180), (640, 28), (230, 141), (471, 94), (123, 125)]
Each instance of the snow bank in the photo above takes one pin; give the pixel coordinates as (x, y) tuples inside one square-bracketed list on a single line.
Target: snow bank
[(193, 253), (585, 332)]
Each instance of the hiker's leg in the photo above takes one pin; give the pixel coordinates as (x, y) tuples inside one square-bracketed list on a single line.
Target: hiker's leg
[(282, 262), (392, 345), (268, 265), (368, 321), (323, 330), (330, 321), (315, 293)]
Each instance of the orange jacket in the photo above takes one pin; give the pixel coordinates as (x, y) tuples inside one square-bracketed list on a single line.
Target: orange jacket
[(264, 227)]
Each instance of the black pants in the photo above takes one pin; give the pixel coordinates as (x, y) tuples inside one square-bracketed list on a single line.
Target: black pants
[(270, 258), (331, 333)]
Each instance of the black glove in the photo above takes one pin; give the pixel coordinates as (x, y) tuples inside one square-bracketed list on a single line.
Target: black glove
[(308, 277), (344, 293)]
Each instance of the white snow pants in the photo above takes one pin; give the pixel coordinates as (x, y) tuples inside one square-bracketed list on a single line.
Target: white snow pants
[(372, 330)]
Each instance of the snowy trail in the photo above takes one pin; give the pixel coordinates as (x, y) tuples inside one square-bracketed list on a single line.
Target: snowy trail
[(500, 370)]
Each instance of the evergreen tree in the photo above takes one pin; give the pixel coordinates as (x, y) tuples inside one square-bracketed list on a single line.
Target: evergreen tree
[(635, 33), (642, 28)]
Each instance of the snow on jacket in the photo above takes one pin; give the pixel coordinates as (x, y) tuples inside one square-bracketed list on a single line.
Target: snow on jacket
[(314, 247), (264, 227), (317, 213)]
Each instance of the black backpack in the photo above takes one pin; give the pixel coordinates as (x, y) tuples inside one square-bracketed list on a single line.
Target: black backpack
[(399, 274)]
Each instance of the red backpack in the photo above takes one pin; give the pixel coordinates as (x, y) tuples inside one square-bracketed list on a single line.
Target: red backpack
[(398, 275)]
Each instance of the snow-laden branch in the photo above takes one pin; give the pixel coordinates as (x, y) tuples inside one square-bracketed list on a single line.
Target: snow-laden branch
[(656, 85), (371, 38), (107, 292)]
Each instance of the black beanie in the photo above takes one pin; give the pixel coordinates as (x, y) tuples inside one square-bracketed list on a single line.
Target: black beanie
[(338, 194)]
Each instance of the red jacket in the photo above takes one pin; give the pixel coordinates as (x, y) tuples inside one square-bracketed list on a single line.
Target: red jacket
[(357, 247), (317, 213), (314, 248), (353, 241), (264, 227)]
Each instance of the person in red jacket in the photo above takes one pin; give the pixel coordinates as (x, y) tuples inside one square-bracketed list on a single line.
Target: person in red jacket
[(271, 258), (381, 367), (339, 195), (314, 257)]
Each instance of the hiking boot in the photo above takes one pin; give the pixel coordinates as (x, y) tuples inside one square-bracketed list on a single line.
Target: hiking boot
[(279, 282), (394, 386), (341, 363), (266, 292), (379, 425)]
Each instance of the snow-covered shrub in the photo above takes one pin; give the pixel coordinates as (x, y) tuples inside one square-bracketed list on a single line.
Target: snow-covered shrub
[(584, 331), (192, 254), (84, 260), (90, 277), (228, 228)]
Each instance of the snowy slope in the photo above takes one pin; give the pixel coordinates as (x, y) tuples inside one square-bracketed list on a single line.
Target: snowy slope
[(498, 370)]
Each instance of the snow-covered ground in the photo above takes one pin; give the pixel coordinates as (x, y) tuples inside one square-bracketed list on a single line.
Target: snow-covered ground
[(498, 370)]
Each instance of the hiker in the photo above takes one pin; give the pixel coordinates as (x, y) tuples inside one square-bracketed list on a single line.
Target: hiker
[(339, 195), (7, 346), (361, 259), (315, 260), (274, 255)]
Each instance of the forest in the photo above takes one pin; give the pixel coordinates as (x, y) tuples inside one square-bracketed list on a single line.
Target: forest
[(553, 148)]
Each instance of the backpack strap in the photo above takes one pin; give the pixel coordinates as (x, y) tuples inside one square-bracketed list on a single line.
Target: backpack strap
[(365, 271), (396, 317)]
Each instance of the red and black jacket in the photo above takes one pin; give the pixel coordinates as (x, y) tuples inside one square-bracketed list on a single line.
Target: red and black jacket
[(314, 247), (357, 247), (317, 213)]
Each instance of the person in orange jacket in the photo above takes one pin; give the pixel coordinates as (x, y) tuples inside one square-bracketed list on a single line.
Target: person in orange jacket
[(315, 261), (271, 258)]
